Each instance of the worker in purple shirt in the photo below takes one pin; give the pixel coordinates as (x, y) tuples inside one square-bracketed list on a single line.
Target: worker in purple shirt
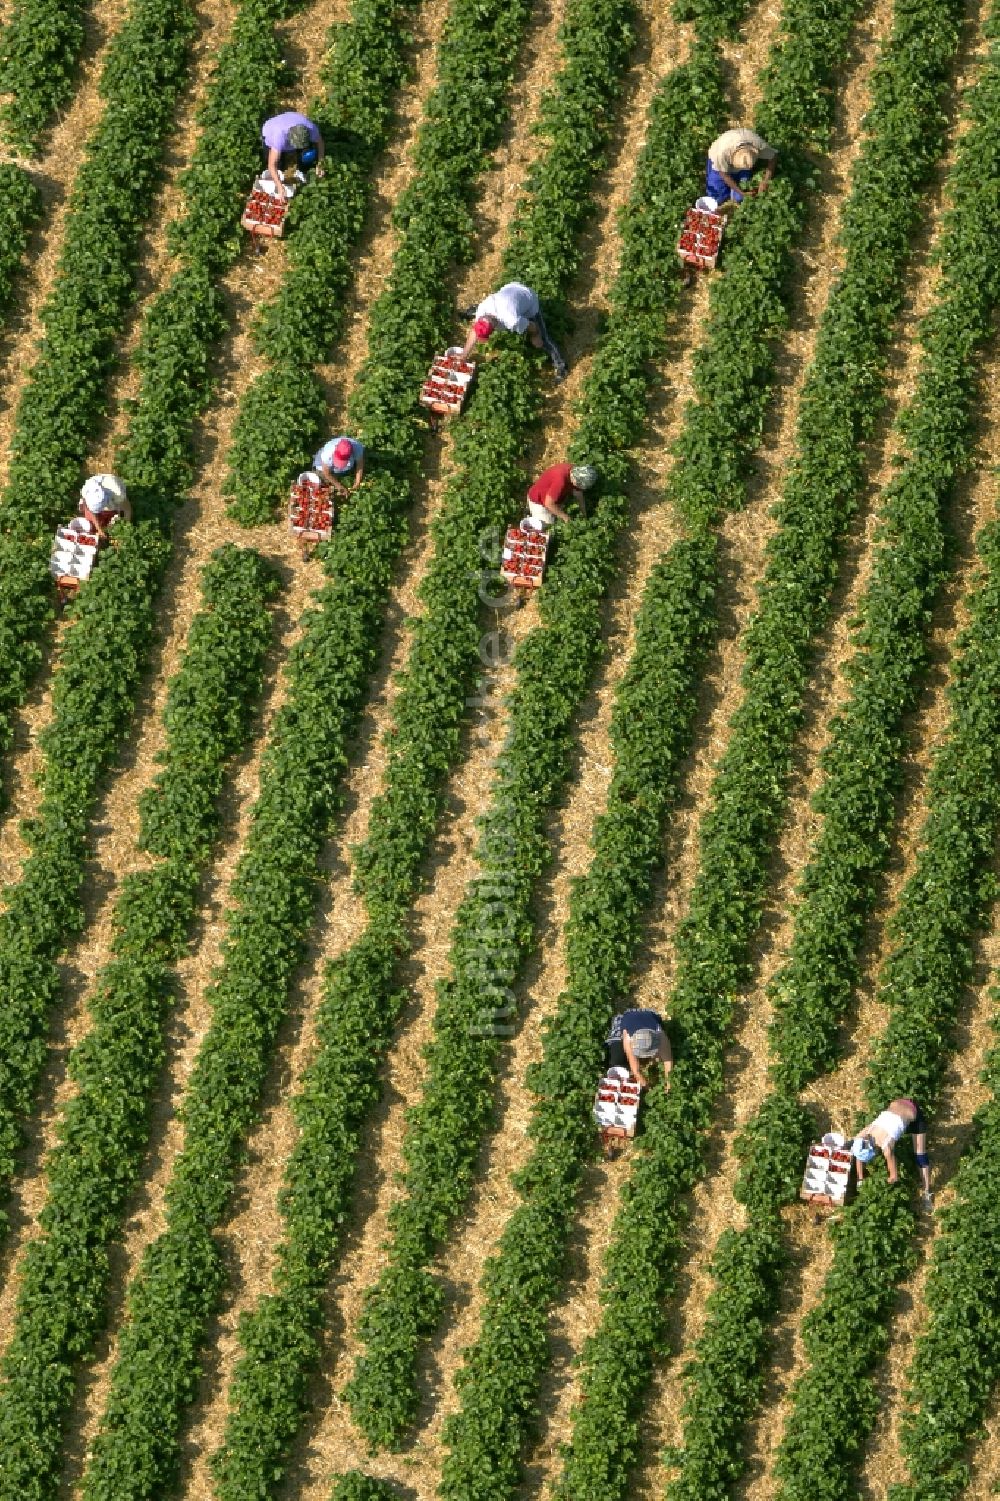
[(292, 140)]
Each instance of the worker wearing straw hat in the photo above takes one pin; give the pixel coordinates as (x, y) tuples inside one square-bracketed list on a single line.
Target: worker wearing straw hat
[(733, 158), (338, 458)]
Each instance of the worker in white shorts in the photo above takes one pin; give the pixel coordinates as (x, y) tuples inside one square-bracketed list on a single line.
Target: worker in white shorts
[(515, 308), (901, 1117), (103, 500)]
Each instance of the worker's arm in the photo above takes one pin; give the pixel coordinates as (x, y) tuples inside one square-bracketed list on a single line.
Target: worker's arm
[(551, 504), (890, 1162), (665, 1056), (126, 510), (470, 343), (273, 158), (320, 153), (359, 472), (769, 167), (635, 1068)]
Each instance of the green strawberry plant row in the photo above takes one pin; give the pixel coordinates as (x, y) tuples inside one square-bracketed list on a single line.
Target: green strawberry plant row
[(270, 1384), (956, 1365), (277, 883), (651, 732), (282, 415), (924, 980), (20, 207), (156, 460), (354, 1486), (105, 1128), (40, 47), (485, 491), (861, 765), (65, 395), (713, 942)]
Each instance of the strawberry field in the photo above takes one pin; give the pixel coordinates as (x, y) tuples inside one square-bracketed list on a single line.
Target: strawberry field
[(327, 858)]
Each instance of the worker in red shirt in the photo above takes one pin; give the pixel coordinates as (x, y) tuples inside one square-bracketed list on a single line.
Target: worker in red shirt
[(551, 488)]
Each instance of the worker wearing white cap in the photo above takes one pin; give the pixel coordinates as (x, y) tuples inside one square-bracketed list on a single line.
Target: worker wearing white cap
[(102, 500), (338, 458), (733, 158), (902, 1117), (638, 1036)]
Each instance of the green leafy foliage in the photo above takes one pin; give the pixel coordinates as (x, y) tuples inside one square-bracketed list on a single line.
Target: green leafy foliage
[(485, 489), (40, 46), (276, 886), (282, 414), (354, 1486), (861, 765), (104, 1130), (713, 943), (20, 207)]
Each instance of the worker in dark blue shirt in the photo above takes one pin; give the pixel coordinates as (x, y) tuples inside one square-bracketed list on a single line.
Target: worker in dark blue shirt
[(638, 1037)]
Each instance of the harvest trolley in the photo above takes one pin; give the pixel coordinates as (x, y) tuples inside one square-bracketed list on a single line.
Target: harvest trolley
[(525, 550), (447, 386), (700, 239), (74, 553), (616, 1109), (829, 1175), (311, 511)]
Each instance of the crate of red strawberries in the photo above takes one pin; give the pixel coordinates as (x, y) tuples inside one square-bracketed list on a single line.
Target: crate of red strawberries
[(265, 214), (448, 383), (310, 509), (701, 238), (523, 562)]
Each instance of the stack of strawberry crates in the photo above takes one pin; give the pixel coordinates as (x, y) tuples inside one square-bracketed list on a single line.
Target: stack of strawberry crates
[(827, 1178), (616, 1106), (701, 239), (311, 510), (447, 384), (523, 563)]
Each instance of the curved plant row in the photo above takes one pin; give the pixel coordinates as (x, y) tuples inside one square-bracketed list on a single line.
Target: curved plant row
[(924, 980), (484, 494), (20, 207), (861, 765), (105, 1128), (748, 796), (275, 891), (40, 47), (156, 461), (493, 934), (354, 1486), (956, 1365), (65, 394), (282, 415), (483, 491)]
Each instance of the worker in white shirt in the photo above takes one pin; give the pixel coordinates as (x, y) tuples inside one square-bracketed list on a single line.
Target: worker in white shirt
[(902, 1117), (515, 308), (102, 500), (733, 158)]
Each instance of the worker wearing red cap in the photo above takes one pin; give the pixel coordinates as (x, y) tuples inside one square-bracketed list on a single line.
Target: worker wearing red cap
[(515, 308), (338, 458)]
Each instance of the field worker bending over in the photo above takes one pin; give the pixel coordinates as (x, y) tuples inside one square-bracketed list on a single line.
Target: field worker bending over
[(102, 500), (732, 161), (515, 308), (292, 140), (638, 1037), (901, 1117), (340, 457), (554, 485)]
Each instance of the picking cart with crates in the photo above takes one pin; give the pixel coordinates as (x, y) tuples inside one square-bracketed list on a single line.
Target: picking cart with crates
[(829, 1175), (525, 552), (700, 239), (75, 551), (449, 381), (616, 1109), (265, 213), (312, 511)]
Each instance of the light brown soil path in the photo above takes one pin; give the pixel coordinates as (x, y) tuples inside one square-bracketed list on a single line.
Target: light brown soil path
[(985, 1462)]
